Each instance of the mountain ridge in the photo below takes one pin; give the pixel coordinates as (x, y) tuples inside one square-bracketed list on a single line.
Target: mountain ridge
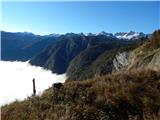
[(68, 46), (54, 51)]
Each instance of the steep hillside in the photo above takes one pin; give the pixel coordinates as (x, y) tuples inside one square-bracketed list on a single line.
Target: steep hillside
[(142, 54), (22, 46), (58, 56), (147, 55), (120, 96), (96, 60)]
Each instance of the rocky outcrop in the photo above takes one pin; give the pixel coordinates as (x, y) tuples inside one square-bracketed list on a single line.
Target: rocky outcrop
[(56, 86), (121, 60), (98, 60)]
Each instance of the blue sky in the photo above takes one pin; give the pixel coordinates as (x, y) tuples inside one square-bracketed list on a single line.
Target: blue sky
[(62, 17)]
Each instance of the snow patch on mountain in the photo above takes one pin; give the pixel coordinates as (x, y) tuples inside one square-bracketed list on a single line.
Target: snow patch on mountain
[(129, 35)]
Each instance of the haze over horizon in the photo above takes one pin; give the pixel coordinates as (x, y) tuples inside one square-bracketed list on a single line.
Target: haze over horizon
[(64, 17)]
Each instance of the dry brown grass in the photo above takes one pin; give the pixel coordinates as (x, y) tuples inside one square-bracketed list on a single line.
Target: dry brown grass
[(133, 95)]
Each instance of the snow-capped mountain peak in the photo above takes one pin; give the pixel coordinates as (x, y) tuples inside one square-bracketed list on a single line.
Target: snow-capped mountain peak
[(129, 35)]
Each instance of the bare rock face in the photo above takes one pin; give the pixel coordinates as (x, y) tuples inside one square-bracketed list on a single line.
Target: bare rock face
[(121, 60)]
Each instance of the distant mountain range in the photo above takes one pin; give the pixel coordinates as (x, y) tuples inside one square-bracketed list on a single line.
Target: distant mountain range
[(68, 52), (58, 56), (22, 46), (131, 35)]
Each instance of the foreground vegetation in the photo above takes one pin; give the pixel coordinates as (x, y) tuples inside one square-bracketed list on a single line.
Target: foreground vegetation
[(133, 95)]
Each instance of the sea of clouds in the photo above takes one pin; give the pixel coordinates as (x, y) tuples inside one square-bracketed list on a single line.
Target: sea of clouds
[(16, 80)]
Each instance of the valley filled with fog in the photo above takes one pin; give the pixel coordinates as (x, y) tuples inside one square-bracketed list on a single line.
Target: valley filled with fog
[(16, 80)]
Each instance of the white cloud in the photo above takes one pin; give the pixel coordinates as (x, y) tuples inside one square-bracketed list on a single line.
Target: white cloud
[(16, 80)]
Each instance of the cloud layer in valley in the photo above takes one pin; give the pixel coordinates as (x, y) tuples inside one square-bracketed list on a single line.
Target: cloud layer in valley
[(16, 80)]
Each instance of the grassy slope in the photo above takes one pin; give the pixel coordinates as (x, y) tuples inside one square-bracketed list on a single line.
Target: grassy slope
[(120, 96)]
